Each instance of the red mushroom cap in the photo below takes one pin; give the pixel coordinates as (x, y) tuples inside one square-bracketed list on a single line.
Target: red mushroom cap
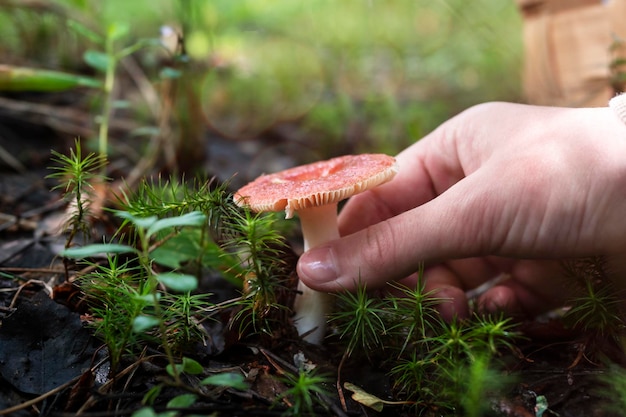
[(316, 184)]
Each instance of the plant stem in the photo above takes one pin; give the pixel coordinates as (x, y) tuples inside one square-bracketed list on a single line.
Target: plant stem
[(152, 286), (107, 106)]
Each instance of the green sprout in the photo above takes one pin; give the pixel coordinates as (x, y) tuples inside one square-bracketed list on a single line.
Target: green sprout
[(360, 319), (76, 175), (302, 395)]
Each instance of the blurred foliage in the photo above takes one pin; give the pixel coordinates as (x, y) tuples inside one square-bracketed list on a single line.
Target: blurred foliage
[(353, 75), (27, 79), (363, 74)]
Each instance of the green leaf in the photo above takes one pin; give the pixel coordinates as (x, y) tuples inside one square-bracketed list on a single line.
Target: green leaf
[(185, 247), (178, 282), (116, 31), (188, 366), (173, 370), (140, 222), (147, 298), (195, 218), (97, 60), (39, 80), (86, 32), (179, 249), (145, 412), (227, 379), (143, 323), (131, 49), (96, 249), (182, 401), (151, 396), (191, 366)]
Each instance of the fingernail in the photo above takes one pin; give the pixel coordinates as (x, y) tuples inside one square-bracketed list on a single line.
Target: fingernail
[(318, 265)]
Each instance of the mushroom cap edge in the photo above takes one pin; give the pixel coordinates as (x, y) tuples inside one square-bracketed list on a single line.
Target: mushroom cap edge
[(317, 183)]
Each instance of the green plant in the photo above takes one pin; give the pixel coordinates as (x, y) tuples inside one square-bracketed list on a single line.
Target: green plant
[(401, 319), (302, 394), (147, 283), (169, 244), (451, 344), (111, 292), (453, 368), (177, 196), (410, 374), (479, 384), (32, 79), (186, 400), (180, 314), (261, 249), (76, 175), (360, 319), (415, 311), (612, 386), (597, 310), (192, 249), (248, 249), (106, 60), (433, 363), (492, 334)]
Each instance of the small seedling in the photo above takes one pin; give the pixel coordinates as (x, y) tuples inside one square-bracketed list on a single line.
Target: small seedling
[(302, 396), (257, 242), (415, 315), (360, 319), (598, 311), (598, 308), (76, 174), (105, 59), (111, 291)]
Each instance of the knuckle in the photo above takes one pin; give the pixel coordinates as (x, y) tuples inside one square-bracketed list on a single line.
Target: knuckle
[(379, 246)]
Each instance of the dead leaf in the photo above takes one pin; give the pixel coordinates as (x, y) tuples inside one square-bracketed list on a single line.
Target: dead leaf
[(362, 397)]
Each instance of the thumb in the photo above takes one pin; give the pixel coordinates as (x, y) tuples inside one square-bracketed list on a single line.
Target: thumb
[(456, 224)]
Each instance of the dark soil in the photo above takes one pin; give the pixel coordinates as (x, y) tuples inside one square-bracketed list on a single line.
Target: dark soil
[(51, 365)]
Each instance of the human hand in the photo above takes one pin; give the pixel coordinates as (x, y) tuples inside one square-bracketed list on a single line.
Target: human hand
[(500, 188)]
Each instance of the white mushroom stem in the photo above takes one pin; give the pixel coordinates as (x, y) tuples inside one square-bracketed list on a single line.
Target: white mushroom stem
[(319, 225)]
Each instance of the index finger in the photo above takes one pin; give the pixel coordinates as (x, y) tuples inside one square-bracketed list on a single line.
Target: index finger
[(425, 170)]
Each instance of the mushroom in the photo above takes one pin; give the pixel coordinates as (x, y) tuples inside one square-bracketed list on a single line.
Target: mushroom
[(313, 191)]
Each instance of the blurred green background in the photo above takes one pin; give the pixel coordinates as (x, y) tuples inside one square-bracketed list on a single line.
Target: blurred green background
[(334, 76)]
